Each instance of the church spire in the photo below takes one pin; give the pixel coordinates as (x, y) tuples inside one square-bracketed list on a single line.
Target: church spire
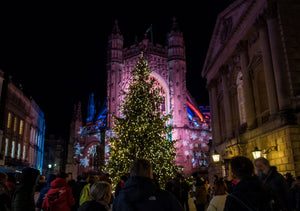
[(116, 29), (91, 108), (175, 26)]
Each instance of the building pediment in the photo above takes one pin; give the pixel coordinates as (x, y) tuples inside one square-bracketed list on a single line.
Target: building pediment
[(227, 24)]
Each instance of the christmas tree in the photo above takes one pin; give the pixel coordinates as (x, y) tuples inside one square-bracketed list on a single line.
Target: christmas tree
[(143, 130)]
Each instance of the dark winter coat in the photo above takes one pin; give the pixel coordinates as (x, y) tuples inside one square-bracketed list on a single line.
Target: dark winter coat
[(200, 194), (23, 197), (76, 190), (295, 196), (92, 206), (278, 187), (119, 186), (252, 193), (44, 190), (5, 200), (141, 194)]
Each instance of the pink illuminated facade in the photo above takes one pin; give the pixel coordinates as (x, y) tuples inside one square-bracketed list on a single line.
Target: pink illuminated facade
[(168, 65)]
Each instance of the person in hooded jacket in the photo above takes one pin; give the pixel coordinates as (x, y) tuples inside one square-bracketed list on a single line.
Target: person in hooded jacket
[(59, 197), (23, 197), (141, 193), (44, 190)]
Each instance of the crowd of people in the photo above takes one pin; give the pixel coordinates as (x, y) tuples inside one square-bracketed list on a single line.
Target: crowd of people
[(254, 186)]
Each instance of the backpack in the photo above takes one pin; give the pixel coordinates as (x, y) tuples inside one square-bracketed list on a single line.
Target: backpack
[(56, 199)]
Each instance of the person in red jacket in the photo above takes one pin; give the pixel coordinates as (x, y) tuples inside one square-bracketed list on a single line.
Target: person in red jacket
[(59, 197)]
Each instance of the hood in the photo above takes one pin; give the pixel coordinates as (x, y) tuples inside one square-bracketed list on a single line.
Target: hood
[(29, 176), (50, 178), (58, 182), (137, 189)]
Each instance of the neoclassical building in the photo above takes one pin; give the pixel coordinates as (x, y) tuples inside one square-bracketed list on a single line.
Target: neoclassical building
[(168, 64), (252, 69)]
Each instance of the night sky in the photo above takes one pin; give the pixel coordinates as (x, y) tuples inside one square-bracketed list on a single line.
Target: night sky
[(57, 52)]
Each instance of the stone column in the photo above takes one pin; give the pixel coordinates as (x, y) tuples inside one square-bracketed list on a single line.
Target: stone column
[(278, 58), (242, 47), (1, 81), (226, 98), (268, 68), (1, 131), (212, 88)]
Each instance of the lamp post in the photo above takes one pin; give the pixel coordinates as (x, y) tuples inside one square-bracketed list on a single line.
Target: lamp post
[(256, 153), (263, 153), (216, 157), (218, 163)]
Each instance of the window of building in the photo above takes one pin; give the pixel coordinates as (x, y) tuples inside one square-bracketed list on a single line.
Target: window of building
[(15, 124), (24, 152), (19, 151), (241, 98), (13, 148), (21, 129), (6, 146), (9, 120)]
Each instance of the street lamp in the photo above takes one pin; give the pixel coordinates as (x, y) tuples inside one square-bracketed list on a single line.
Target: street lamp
[(216, 157), (256, 153), (263, 153)]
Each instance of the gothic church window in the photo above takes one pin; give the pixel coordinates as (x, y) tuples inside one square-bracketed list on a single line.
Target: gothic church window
[(162, 92), (241, 97)]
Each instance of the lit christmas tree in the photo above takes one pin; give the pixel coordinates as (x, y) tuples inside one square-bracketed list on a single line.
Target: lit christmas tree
[(142, 131)]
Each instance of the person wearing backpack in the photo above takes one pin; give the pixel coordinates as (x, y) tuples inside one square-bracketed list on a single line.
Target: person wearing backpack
[(44, 190), (140, 193), (59, 197)]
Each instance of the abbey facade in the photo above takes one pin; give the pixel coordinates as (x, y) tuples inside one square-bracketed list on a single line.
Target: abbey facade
[(191, 123)]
